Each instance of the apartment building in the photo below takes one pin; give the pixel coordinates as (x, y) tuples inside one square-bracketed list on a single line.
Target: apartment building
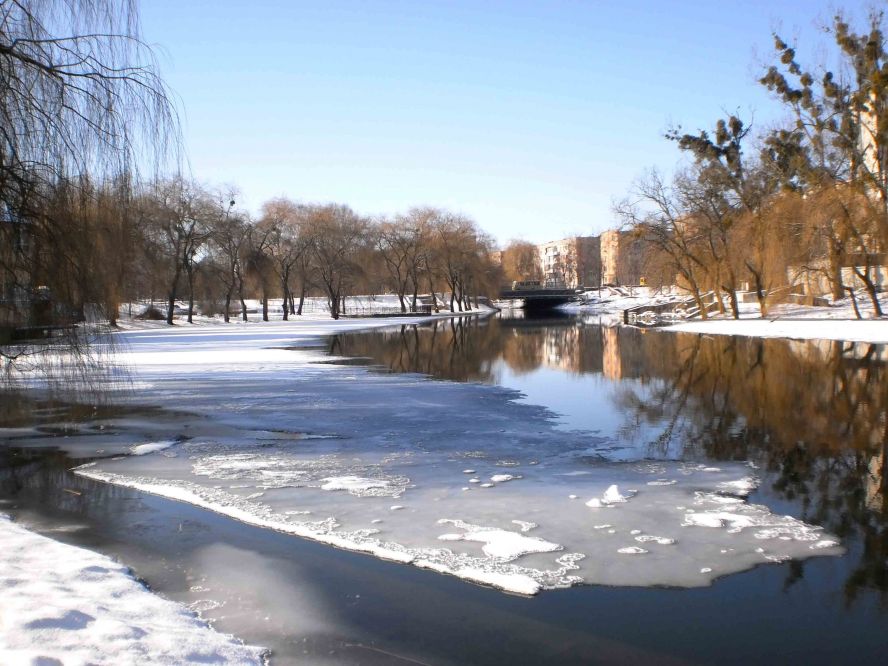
[(572, 262), (622, 258)]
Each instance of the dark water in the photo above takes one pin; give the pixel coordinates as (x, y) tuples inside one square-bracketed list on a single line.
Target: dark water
[(813, 416)]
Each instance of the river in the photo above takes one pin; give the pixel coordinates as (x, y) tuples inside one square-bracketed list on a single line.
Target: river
[(565, 408)]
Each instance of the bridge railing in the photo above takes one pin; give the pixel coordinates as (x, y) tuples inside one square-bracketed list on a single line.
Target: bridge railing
[(669, 312)]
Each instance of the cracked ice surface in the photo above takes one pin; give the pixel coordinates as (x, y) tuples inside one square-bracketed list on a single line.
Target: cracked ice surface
[(408, 443)]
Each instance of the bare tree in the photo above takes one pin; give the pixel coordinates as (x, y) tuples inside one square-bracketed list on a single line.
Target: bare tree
[(400, 244), (178, 215), (287, 241), (339, 238)]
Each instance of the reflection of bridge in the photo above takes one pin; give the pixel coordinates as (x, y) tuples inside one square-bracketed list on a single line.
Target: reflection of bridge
[(539, 298), (536, 319)]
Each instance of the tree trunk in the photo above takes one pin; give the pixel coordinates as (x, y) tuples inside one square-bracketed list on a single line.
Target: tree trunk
[(190, 297), (334, 305), (433, 295), (735, 307), (226, 313), (285, 304), (854, 302), (835, 269), (301, 299), (240, 295), (871, 289)]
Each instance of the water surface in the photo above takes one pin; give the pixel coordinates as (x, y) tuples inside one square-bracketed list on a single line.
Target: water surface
[(808, 417)]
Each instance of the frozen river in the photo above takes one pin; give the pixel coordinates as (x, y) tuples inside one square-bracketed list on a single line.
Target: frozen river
[(706, 486)]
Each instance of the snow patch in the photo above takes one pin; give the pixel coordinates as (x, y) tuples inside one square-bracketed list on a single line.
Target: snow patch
[(64, 604), (145, 449), (501, 544)]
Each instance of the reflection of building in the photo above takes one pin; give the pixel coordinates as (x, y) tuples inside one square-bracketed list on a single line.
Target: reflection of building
[(875, 487), (573, 262), (613, 365)]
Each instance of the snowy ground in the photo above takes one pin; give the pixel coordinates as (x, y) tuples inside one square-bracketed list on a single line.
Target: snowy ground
[(459, 478), (835, 322), (314, 308), (66, 605)]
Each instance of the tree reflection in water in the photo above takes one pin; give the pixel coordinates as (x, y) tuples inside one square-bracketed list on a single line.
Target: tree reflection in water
[(812, 415)]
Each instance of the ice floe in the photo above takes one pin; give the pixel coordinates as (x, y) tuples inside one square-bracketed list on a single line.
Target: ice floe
[(397, 438), (145, 449)]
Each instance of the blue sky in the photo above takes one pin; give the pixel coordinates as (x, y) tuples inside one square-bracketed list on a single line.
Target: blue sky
[(531, 117)]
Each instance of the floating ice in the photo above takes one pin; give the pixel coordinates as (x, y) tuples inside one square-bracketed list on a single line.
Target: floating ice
[(631, 550), (380, 451), (145, 449), (356, 485), (502, 478), (663, 541), (502, 544), (825, 543), (611, 496), (742, 487)]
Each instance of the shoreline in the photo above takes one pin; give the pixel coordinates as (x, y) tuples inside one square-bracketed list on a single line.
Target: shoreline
[(873, 331)]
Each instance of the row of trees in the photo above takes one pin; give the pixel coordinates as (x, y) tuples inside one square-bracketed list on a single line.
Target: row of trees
[(175, 240), (802, 204)]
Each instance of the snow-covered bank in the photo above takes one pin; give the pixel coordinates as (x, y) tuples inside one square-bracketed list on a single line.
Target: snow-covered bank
[(66, 605), (362, 308), (853, 330), (834, 322)]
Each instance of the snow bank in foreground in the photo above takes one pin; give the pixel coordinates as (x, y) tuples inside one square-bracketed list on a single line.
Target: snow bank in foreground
[(60, 604)]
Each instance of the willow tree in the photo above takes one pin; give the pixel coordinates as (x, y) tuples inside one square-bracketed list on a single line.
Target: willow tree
[(838, 142), (79, 96)]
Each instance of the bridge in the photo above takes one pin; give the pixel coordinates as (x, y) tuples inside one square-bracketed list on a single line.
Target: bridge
[(537, 296)]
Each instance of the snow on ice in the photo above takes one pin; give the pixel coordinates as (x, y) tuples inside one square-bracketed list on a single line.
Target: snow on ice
[(404, 437)]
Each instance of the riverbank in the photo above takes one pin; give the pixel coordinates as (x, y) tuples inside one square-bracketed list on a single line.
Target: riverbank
[(837, 321)]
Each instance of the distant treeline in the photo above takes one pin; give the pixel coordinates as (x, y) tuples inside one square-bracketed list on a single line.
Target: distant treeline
[(176, 241)]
